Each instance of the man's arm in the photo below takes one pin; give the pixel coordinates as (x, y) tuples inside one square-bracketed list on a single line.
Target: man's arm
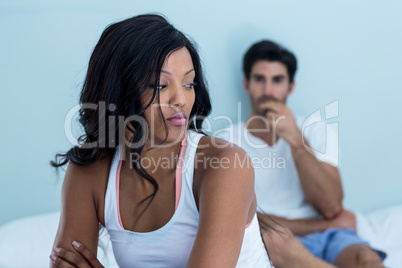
[(320, 181), (299, 227), (302, 227)]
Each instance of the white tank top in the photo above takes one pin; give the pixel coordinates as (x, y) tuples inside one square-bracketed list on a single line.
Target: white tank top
[(170, 246)]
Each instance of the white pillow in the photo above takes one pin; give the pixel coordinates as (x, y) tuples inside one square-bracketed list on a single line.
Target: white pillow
[(27, 242)]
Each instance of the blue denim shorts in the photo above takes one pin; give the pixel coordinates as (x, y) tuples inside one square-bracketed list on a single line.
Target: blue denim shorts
[(328, 244)]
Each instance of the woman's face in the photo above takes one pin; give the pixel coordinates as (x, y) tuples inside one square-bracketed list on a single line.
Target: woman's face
[(176, 99)]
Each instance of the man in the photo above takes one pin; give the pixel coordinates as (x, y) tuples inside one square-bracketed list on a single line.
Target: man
[(294, 187)]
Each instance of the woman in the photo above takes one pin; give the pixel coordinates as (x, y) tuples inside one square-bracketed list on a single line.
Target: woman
[(168, 195)]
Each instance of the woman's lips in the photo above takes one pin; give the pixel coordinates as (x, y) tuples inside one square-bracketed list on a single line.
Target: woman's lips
[(178, 119)]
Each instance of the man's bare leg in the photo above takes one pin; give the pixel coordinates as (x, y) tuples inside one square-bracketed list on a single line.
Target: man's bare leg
[(286, 251), (358, 256)]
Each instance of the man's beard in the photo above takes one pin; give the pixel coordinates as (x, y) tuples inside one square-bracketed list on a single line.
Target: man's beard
[(257, 102)]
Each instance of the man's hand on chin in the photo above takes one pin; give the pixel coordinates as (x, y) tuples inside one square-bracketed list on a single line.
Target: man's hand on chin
[(282, 122)]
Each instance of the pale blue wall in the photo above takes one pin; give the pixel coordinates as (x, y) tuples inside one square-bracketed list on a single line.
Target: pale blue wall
[(348, 51)]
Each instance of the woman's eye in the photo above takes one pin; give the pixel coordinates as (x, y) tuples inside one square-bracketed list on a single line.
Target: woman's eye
[(190, 86), (161, 87)]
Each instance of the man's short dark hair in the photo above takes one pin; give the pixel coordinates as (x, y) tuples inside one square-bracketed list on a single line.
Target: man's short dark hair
[(269, 51)]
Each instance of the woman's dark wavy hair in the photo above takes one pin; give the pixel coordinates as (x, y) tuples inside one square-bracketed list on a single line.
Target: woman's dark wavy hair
[(127, 60)]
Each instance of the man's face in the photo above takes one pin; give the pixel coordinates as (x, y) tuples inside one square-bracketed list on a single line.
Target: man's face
[(268, 81)]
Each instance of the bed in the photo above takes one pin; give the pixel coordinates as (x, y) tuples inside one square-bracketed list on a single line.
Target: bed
[(27, 242)]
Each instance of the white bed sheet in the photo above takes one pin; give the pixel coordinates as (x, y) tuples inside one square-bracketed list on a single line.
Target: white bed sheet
[(27, 243), (383, 230)]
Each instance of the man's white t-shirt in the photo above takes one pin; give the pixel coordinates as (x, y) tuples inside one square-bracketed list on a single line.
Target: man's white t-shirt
[(277, 184)]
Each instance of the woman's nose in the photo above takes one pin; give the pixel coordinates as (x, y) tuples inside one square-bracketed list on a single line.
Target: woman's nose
[(178, 97)]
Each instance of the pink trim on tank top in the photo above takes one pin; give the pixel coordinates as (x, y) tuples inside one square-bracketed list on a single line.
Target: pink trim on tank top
[(118, 190), (178, 179), (179, 171)]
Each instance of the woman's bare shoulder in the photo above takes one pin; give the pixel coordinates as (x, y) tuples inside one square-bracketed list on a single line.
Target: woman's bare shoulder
[(88, 182), (213, 146), (217, 158), (90, 175)]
